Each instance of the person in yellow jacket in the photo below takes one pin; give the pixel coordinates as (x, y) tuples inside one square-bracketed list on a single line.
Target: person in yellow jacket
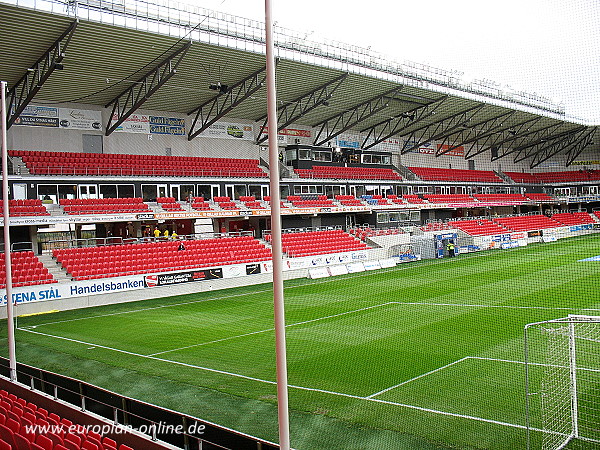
[(156, 233), (166, 233), (450, 247)]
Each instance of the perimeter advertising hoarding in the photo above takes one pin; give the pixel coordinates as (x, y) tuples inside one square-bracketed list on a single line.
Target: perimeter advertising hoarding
[(166, 279)]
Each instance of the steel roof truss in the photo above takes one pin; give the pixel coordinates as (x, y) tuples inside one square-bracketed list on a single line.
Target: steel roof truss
[(394, 125), (499, 134), (576, 149), (522, 139), (290, 112), (336, 125), (439, 129), (532, 148), (211, 111), (557, 146), (21, 94), (463, 136), (129, 101)]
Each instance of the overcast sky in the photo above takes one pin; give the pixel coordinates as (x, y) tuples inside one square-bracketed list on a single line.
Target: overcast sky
[(550, 47)]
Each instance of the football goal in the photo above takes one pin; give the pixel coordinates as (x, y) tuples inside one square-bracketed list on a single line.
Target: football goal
[(562, 382)]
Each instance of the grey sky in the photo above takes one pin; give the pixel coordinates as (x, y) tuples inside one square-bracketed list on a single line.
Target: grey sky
[(550, 47)]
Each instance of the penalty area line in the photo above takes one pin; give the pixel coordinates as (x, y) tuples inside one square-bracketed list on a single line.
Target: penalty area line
[(303, 388)]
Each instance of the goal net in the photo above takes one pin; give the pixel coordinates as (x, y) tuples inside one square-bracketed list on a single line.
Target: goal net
[(562, 360)]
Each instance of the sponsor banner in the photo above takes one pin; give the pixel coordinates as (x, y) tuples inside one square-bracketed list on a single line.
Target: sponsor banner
[(165, 279), (135, 123), (372, 265), (586, 163), (289, 132), (534, 233), (229, 130), (167, 125), (296, 263), (355, 267), (74, 289), (43, 220), (338, 270), (318, 272), (510, 244), (458, 151), (252, 269), (38, 116), (517, 236), (79, 119), (386, 263)]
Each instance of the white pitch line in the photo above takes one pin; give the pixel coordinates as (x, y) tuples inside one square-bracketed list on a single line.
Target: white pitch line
[(323, 391), (416, 378), (271, 329), (467, 305)]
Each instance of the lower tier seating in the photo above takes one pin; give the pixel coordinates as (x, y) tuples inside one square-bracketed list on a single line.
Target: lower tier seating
[(27, 270), (479, 227), (133, 259), (527, 223), (24, 425), (576, 218), (319, 243)]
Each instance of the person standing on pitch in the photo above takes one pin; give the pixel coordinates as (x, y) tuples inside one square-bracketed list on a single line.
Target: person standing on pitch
[(450, 248)]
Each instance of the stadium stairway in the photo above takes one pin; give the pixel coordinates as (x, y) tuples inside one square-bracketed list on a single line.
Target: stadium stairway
[(57, 271)]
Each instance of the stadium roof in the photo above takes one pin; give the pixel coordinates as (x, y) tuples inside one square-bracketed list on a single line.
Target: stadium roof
[(146, 56)]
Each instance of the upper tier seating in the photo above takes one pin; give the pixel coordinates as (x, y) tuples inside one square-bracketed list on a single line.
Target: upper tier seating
[(411, 198), (478, 227), (449, 198), (319, 243), (104, 205), (522, 177), (199, 204), (527, 223), (539, 197), (554, 177), (152, 257), (321, 201), (25, 207), (576, 218), (96, 164), (169, 204), (352, 173), (435, 226), (364, 232), (510, 198), (436, 174), (27, 270), (24, 425), (348, 200)]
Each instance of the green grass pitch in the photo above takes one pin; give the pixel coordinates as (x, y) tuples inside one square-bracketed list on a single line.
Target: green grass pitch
[(424, 355)]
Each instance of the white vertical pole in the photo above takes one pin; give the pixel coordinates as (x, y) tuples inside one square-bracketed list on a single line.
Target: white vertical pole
[(278, 301), (7, 261), (573, 372)]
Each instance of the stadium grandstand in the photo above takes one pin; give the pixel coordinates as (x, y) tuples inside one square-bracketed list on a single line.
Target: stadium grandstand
[(138, 174)]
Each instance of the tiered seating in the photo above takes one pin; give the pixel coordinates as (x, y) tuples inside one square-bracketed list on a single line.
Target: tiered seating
[(169, 204), (364, 232), (152, 257), (568, 176), (576, 218), (436, 174), (449, 198), (225, 203), (479, 227), (98, 164), (435, 226), (103, 205), (319, 201), (319, 242), (410, 198), (199, 204), (597, 214), (352, 173), (27, 270), (519, 177), (537, 197), (25, 207), (250, 202), (510, 198), (348, 200), (527, 223), (24, 425), (554, 177)]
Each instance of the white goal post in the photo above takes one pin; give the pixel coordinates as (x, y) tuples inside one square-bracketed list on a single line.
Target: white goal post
[(562, 382)]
